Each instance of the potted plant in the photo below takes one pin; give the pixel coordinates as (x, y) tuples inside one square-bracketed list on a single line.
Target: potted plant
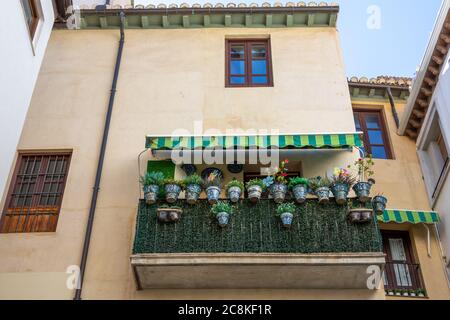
[(341, 182), (412, 293), (321, 188), (379, 204), (234, 190), (279, 188), (359, 214), (299, 187), (167, 213), (172, 188), (397, 292), (365, 171), (255, 188), (193, 185), (390, 292), (212, 185), (151, 183), (222, 211), (405, 293), (286, 212)]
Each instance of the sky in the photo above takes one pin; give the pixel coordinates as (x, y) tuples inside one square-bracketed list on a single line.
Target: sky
[(378, 37)]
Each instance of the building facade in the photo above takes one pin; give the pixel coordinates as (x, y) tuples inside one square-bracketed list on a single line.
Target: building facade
[(209, 79), (426, 121)]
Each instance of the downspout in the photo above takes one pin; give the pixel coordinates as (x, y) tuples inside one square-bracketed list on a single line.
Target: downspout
[(394, 109), (101, 159)]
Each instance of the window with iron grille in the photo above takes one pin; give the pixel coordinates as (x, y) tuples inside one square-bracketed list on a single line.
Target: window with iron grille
[(35, 195)]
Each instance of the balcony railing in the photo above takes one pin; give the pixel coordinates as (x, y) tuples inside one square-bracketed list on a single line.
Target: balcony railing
[(255, 229), (402, 276)]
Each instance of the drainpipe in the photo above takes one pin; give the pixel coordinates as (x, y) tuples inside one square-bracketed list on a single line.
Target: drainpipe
[(101, 159), (394, 109)]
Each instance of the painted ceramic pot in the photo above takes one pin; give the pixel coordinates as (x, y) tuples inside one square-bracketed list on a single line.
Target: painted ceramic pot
[(300, 193), (213, 194), (169, 214), (254, 193), (286, 219), (323, 194), (362, 191), (379, 204), (278, 192), (172, 192), (223, 218), (366, 215), (340, 192), (151, 193), (360, 215), (234, 194), (193, 193)]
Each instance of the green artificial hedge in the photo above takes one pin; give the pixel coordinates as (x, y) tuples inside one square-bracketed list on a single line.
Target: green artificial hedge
[(255, 229)]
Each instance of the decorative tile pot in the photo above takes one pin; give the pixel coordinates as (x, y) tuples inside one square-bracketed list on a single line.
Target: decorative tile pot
[(151, 193), (286, 219), (366, 215), (193, 193), (354, 215), (172, 192), (379, 204), (213, 194), (254, 193), (168, 214), (340, 192), (360, 215), (323, 194), (223, 219), (362, 190), (300, 193), (278, 192), (234, 194)]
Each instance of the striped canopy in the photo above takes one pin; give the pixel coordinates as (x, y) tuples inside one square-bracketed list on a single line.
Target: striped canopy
[(413, 217), (313, 141)]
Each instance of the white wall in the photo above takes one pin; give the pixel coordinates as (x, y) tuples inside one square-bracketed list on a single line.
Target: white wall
[(19, 65)]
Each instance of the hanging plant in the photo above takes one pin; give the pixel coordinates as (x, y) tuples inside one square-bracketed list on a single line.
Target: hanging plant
[(321, 188), (286, 212), (151, 183), (255, 188), (212, 185), (279, 188), (234, 190), (173, 188), (193, 185), (299, 187), (222, 211), (364, 167), (341, 182)]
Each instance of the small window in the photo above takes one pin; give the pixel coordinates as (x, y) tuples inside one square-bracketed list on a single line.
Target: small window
[(32, 15), (248, 63), (371, 123), (35, 195)]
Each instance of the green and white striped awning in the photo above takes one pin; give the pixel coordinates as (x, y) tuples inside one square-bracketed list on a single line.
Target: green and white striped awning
[(312, 141), (405, 216)]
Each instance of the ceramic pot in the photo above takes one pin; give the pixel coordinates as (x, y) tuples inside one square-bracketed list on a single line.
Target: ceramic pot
[(213, 194), (300, 193), (278, 192), (362, 191), (193, 193), (254, 193), (234, 194), (323, 194), (286, 219), (151, 193), (340, 192), (172, 192), (223, 218), (169, 214), (379, 204)]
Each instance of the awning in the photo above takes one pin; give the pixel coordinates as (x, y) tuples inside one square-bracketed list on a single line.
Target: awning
[(312, 141), (413, 217)]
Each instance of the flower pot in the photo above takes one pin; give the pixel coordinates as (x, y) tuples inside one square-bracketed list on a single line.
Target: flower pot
[(151, 193), (254, 193), (213, 194), (286, 219), (323, 194), (172, 192), (300, 193), (366, 215), (379, 204), (412, 294), (340, 192), (421, 295), (169, 214), (278, 192), (234, 194), (354, 215), (390, 293), (406, 294), (193, 193), (398, 294), (223, 219), (362, 190)]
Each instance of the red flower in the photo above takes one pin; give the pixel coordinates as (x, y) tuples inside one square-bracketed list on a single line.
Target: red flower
[(286, 161), (284, 175)]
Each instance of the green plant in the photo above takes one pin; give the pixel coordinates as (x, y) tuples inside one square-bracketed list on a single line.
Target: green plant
[(255, 182), (173, 181), (193, 179), (293, 182), (213, 180), (421, 292), (364, 167), (286, 208), (342, 176), (152, 178), (222, 206), (235, 183), (319, 182), (165, 206)]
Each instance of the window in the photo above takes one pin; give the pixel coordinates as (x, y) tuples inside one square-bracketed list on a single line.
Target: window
[(31, 9), (248, 63), (34, 199), (401, 272), (376, 141)]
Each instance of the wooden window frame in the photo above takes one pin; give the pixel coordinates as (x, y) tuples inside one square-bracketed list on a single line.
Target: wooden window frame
[(383, 128), (35, 226), (247, 43), (36, 17)]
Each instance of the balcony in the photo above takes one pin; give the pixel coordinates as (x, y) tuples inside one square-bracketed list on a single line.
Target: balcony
[(322, 249)]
